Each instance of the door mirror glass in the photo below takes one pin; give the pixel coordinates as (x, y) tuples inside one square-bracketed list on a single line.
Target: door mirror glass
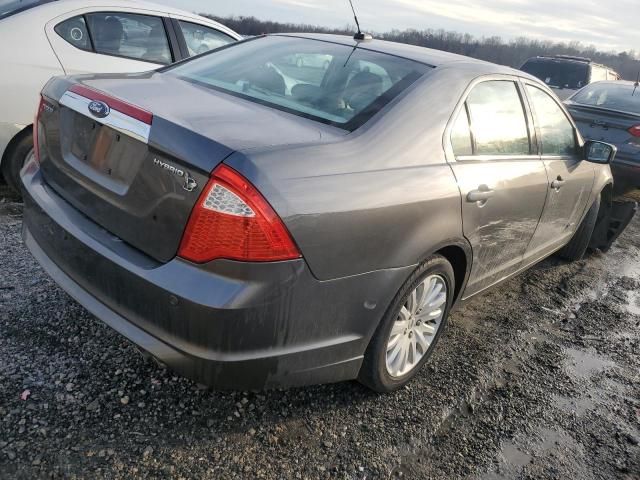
[(600, 152)]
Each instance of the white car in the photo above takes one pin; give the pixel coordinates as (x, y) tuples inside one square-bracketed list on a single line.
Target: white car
[(40, 39)]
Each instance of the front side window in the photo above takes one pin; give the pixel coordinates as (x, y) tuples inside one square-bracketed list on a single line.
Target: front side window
[(331, 83), (201, 39), (556, 131), (139, 37), (74, 31), (497, 119)]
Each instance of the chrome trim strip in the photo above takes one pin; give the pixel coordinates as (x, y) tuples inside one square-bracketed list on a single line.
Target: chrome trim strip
[(116, 120)]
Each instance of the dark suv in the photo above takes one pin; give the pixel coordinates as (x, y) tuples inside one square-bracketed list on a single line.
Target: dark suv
[(567, 74)]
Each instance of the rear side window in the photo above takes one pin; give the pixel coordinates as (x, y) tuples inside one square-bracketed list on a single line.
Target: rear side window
[(201, 39), (497, 119), (139, 37), (461, 135), (598, 74), (75, 32), (556, 131)]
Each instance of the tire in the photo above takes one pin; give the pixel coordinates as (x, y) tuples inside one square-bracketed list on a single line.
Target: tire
[(577, 246), (375, 371), (14, 161)]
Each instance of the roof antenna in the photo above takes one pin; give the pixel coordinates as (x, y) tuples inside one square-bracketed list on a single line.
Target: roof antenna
[(359, 35)]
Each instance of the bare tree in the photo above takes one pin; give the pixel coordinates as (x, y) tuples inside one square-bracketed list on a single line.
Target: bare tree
[(493, 49)]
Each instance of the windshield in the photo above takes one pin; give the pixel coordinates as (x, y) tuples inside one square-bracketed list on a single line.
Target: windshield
[(328, 82), (618, 96), (11, 7), (558, 73)]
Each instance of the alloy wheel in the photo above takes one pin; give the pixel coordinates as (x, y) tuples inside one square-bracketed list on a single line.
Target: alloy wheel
[(416, 326)]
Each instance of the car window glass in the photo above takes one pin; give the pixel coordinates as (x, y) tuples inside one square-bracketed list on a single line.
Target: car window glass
[(74, 31), (201, 39), (598, 74), (461, 135), (140, 37), (498, 119), (556, 131), (615, 96), (325, 81), (558, 73)]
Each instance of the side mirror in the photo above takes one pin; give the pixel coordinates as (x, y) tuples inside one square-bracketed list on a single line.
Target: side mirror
[(599, 152)]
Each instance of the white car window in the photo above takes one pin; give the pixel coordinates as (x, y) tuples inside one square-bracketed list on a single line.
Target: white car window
[(74, 31), (140, 37), (201, 39)]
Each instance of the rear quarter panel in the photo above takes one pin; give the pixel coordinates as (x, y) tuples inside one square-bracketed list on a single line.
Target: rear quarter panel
[(28, 63), (384, 197)]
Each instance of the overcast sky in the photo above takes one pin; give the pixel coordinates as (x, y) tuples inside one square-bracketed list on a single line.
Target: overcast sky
[(608, 24)]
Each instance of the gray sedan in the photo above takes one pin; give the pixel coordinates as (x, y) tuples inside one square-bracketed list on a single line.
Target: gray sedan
[(252, 234)]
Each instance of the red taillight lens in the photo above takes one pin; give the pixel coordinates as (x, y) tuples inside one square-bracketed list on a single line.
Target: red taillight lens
[(635, 131), (36, 129), (233, 220)]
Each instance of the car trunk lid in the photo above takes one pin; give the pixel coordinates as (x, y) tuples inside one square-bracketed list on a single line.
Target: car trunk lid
[(607, 125), (136, 167)]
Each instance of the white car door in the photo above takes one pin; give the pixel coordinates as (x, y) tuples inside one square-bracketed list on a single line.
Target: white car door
[(109, 41)]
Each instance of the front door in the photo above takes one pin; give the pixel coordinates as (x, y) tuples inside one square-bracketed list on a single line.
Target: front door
[(502, 180), (570, 178)]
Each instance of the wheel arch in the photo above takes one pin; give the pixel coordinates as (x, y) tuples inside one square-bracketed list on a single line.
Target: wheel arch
[(459, 254), (17, 138)]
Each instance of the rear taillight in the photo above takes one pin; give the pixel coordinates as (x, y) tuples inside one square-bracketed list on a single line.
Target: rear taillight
[(232, 220), (36, 129), (635, 131)]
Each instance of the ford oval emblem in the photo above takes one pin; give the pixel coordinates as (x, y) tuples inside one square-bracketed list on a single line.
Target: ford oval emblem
[(99, 109)]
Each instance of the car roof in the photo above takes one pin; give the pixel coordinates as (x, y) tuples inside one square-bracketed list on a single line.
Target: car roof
[(50, 10), (428, 56), (569, 59)]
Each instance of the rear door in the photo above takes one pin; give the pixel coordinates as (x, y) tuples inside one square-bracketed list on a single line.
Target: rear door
[(501, 178), (570, 178), (110, 42)]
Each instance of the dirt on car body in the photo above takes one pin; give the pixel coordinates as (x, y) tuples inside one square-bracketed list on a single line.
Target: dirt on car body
[(537, 379)]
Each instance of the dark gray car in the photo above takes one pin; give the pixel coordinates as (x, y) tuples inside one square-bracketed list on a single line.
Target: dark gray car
[(610, 112), (256, 223)]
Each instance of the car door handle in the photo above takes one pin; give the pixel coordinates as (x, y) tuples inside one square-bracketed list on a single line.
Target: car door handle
[(558, 184), (482, 194)]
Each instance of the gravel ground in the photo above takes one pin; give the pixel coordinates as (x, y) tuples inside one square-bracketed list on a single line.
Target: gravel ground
[(537, 379)]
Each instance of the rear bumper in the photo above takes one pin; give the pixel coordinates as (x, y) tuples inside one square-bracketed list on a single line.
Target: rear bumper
[(230, 325)]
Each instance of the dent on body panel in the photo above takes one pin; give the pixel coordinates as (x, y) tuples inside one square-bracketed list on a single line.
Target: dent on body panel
[(500, 230)]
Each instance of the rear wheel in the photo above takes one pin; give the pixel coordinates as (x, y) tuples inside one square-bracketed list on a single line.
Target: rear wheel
[(577, 246), (411, 327), (15, 159)]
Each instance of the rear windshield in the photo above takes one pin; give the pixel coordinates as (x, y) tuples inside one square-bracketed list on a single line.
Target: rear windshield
[(614, 96), (11, 7), (558, 73), (328, 82)]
